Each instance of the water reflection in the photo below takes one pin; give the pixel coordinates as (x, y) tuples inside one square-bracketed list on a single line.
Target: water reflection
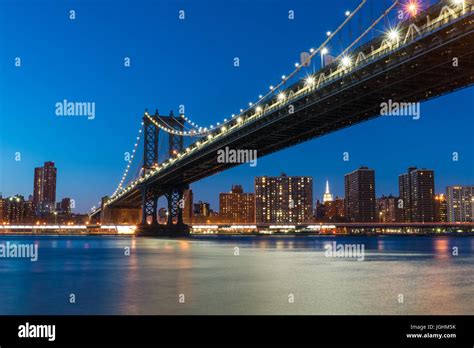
[(105, 280)]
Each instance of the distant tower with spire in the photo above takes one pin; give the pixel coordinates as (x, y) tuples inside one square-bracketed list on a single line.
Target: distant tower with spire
[(327, 195)]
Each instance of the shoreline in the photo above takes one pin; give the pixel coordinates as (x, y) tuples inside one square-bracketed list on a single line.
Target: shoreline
[(256, 235)]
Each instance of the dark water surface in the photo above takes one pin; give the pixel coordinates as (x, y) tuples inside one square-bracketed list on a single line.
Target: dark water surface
[(262, 279)]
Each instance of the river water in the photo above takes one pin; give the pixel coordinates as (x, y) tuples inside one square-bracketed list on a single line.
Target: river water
[(239, 275)]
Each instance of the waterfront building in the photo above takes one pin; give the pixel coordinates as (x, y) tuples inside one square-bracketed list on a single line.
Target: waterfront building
[(441, 208), (202, 209), (416, 188), (188, 206), (460, 203), (387, 209), (16, 210), (44, 189), (283, 199), (236, 206), (359, 187)]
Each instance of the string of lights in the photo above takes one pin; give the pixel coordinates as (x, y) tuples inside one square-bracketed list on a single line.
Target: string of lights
[(127, 168), (273, 89)]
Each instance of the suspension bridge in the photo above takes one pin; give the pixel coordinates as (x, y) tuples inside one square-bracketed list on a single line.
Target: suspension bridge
[(428, 54)]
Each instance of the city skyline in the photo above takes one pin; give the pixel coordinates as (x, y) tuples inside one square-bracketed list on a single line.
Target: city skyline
[(416, 191), (90, 152)]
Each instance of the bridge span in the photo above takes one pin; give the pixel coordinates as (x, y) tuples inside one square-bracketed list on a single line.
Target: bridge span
[(415, 66)]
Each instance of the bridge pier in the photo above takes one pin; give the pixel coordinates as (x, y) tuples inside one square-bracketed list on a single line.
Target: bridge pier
[(174, 227)]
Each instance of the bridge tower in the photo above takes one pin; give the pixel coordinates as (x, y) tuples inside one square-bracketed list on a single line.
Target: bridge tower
[(151, 191)]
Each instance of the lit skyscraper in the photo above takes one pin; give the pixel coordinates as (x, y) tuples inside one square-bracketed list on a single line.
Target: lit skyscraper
[(327, 195), (44, 192), (417, 193), (360, 195)]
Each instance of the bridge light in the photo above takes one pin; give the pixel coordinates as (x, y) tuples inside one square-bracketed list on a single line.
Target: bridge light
[(297, 65), (283, 77), (250, 104), (346, 61), (328, 33), (347, 13), (310, 80), (393, 35), (271, 88), (240, 119), (260, 96), (258, 109), (311, 50), (281, 96), (223, 129), (209, 136), (412, 8)]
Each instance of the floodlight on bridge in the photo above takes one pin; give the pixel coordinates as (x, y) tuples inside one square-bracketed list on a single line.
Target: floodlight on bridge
[(346, 61), (310, 80), (393, 35)]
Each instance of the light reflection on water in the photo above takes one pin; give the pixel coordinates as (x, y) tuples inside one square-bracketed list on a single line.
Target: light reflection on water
[(258, 281)]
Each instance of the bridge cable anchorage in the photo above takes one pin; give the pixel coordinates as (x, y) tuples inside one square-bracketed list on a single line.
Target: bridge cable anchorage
[(134, 151), (387, 11)]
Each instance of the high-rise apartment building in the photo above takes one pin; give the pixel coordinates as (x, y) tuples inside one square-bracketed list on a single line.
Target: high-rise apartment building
[(359, 187), (236, 206), (44, 192), (416, 188), (283, 199), (460, 203)]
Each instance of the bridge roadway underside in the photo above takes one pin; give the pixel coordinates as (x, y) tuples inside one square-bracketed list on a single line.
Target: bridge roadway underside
[(417, 72)]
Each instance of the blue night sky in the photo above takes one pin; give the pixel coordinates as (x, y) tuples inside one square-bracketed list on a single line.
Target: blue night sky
[(190, 62)]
